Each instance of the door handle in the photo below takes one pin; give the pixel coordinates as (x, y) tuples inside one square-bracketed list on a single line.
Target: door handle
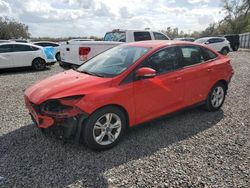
[(178, 78), (209, 69)]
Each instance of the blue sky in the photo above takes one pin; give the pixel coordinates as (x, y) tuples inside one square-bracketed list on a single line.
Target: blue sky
[(63, 18)]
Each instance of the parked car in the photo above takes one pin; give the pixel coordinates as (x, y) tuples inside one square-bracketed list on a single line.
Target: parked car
[(185, 39), (220, 44), (55, 45), (234, 40), (14, 54), (20, 40), (128, 85), (73, 54), (4, 41)]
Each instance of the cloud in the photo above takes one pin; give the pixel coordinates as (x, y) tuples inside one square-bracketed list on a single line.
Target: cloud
[(124, 13), (62, 18), (103, 10), (4, 8), (198, 1)]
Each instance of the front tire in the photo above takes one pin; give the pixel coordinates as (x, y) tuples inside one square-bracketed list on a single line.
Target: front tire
[(216, 97), (104, 128), (38, 64)]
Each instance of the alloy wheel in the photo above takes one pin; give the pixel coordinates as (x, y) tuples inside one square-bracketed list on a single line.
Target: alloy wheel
[(107, 129), (217, 96)]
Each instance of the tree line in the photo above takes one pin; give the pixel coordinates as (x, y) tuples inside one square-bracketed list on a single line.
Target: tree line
[(237, 20)]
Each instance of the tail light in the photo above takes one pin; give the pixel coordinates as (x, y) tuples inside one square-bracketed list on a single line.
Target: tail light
[(83, 53)]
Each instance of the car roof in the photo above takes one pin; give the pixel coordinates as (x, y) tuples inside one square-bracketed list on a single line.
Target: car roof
[(132, 30), (160, 43), (45, 42), (207, 38), (21, 43)]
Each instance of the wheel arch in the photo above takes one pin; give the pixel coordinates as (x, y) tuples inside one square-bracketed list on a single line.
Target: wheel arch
[(121, 108), (225, 47), (224, 82), (38, 58)]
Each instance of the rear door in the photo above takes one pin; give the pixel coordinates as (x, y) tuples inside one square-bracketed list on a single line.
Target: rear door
[(165, 92), (195, 73), (6, 60)]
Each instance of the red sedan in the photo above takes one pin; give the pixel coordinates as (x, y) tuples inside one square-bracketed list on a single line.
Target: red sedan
[(128, 85)]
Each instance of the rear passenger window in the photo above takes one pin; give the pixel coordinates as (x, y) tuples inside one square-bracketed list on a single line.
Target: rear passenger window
[(208, 54), (5, 48), (191, 55), (163, 61), (23, 48), (159, 36), (140, 36)]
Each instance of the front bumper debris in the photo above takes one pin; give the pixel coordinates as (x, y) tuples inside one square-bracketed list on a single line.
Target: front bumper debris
[(67, 127)]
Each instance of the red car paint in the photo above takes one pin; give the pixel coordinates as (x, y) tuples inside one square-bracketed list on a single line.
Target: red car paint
[(143, 100)]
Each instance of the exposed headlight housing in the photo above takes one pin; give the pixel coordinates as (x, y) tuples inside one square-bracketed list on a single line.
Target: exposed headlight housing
[(61, 108)]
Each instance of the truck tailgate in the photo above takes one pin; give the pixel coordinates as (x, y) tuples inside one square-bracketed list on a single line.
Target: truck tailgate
[(70, 52)]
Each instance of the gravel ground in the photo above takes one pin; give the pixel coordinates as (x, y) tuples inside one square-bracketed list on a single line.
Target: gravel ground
[(193, 148)]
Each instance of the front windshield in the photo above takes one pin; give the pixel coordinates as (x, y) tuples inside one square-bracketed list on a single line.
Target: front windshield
[(113, 62), (115, 36)]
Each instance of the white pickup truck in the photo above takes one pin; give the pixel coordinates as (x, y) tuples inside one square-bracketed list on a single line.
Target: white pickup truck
[(73, 54)]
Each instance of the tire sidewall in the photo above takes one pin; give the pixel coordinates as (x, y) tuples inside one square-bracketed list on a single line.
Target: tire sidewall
[(224, 51), (209, 105), (38, 60), (89, 125)]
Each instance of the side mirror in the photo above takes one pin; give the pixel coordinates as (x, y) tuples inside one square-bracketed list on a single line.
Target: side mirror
[(207, 42), (145, 72)]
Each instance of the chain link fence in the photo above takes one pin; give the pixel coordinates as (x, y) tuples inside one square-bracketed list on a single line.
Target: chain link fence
[(245, 40)]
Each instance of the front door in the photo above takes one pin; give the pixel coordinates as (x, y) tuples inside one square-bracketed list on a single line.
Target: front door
[(6, 60), (165, 92)]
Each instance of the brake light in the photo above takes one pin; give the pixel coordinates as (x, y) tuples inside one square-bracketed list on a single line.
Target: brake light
[(83, 53)]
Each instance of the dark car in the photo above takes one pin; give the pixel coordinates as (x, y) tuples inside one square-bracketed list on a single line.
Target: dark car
[(234, 40)]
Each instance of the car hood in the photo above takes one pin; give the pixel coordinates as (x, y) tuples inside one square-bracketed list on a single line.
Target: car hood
[(67, 83)]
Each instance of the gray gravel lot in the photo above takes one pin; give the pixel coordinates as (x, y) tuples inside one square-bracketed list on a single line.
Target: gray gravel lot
[(193, 148)]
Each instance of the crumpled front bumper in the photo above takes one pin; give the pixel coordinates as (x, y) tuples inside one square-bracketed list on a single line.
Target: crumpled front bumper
[(68, 126)]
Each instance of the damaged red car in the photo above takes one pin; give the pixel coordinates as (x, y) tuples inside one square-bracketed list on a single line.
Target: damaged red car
[(128, 85)]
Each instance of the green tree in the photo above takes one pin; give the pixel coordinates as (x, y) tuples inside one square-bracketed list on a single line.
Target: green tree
[(237, 14), (10, 29)]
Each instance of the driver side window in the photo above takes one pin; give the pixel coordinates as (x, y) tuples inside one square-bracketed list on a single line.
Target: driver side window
[(163, 61)]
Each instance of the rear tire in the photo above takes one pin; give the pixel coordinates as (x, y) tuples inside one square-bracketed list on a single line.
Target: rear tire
[(38, 64), (215, 97), (104, 128)]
